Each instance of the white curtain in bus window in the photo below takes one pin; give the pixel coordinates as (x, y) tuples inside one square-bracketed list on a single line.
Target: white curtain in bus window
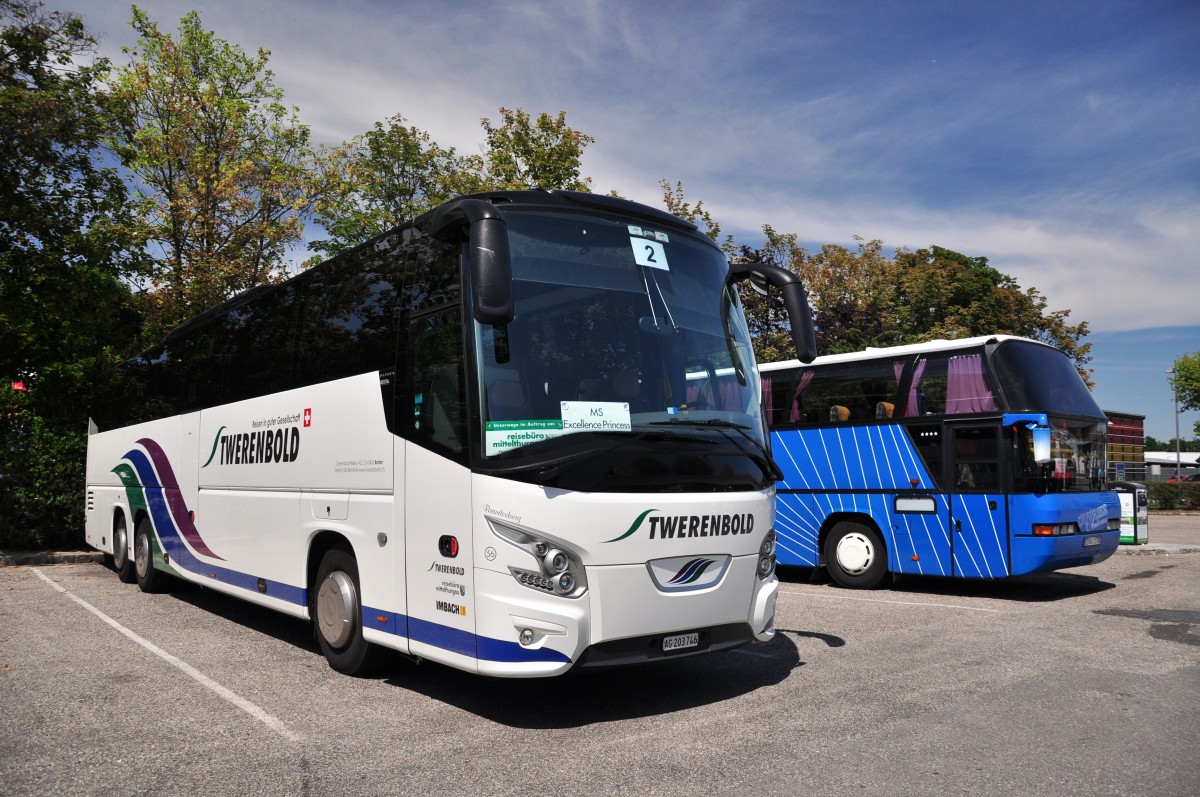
[(966, 387)]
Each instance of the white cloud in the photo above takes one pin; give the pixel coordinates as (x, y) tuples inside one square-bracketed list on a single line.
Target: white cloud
[(1070, 167)]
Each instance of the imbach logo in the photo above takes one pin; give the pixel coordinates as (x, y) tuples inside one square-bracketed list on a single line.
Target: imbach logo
[(666, 527), (249, 448)]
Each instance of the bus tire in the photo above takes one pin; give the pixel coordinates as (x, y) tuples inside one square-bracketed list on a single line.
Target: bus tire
[(855, 556), (337, 615), (148, 579), (121, 561)]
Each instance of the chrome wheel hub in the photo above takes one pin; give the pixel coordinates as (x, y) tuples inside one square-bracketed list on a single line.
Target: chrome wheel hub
[(336, 605)]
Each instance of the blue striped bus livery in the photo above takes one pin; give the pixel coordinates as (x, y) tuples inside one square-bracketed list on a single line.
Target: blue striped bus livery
[(978, 458)]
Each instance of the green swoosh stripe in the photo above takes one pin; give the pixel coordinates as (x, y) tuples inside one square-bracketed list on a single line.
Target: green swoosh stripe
[(634, 527), (216, 438)]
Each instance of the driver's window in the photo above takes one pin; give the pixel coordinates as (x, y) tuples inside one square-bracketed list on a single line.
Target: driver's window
[(976, 465)]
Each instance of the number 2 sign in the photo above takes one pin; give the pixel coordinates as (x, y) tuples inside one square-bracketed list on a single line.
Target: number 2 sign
[(649, 253)]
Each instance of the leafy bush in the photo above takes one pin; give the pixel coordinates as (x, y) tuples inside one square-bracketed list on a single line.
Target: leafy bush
[(1170, 495), (41, 481)]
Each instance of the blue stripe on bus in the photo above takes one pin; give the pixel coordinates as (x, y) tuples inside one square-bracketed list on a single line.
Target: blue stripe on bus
[(456, 640)]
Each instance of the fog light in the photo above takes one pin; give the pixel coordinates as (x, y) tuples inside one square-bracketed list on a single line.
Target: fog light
[(566, 582), (766, 566), (526, 637)]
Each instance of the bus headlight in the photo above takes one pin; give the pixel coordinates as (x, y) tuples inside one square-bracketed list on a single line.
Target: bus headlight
[(559, 570), (555, 561), (766, 555)]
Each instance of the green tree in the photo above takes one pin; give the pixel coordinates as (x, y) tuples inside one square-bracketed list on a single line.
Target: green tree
[(388, 175), (677, 204), (64, 310), (939, 293), (526, 153), (223, 168), (849, 290), (1185, 384)]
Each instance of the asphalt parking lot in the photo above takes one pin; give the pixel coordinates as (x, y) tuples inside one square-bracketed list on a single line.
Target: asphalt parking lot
[(1075, 683)]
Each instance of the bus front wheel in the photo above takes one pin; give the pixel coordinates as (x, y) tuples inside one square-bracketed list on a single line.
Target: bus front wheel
[(120, 557), (337, 615), (855, 556)]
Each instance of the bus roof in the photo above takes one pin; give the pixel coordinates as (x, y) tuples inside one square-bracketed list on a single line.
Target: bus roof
[(899, 351)]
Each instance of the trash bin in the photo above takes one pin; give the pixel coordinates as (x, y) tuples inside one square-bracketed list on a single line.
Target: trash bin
[(1135, 514)]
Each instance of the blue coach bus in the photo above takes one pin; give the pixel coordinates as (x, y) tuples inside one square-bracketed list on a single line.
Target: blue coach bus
[(978, 458)]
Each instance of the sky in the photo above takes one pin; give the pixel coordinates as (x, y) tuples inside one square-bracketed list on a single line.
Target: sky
[(1060, 140)]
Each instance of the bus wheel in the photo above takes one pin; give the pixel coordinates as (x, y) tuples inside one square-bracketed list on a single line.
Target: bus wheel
[(855, 556), (120, 558), (337, 615), (148, 579)]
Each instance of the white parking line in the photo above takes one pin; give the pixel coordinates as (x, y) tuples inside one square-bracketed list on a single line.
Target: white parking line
[(237, 700), (814, 594)]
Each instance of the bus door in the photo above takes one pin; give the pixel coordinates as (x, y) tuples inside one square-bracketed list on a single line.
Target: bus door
[(978, 510), (437, 492), (920, 518)]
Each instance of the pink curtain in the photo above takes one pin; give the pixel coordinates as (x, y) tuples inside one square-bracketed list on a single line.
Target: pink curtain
[(797, 413), (910, 409), (966, 389)]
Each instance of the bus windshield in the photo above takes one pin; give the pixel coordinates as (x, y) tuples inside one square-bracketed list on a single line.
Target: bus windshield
[(620, 328), (1077, 458), (1038, 378)]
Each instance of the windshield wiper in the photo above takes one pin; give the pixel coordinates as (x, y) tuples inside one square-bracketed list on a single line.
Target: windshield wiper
[(765, 459)]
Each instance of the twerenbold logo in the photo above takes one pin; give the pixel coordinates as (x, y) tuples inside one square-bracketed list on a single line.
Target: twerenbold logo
[(678, 526)]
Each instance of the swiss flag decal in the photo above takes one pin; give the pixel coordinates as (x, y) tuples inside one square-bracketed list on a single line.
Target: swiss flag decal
[(307, 417)]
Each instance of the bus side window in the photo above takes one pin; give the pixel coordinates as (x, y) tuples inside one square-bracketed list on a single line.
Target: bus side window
[(927, 439), (436, 414), (976, 459)]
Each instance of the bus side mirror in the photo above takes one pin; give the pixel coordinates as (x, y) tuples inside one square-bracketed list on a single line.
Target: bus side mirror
[(491, 272), (794, 299), (1041, 445), (491, 267)]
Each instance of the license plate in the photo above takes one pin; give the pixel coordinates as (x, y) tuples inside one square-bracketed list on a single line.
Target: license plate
[(1090, 542), (680, 642)]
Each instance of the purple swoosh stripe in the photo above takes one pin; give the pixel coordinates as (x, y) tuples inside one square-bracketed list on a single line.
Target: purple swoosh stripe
[(179, 510)]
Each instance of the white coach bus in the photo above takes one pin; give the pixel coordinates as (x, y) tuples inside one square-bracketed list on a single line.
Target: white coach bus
[(492, 438)]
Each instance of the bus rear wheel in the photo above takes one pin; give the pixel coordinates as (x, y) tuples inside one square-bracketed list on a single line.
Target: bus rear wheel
[(120, 557), (337, 615), (855, 556)]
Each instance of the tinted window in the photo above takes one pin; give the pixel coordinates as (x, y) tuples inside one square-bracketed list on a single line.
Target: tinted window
[(927, 439), (1036, 378), (836, 392), (976, 463), (349, 317)]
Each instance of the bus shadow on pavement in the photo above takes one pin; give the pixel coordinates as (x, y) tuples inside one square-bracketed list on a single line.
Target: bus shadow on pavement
[(576, 699), (248, 615), (588, 697), (1039, 588)]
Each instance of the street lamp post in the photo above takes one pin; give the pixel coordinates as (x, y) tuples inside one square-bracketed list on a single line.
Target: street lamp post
[(1178, 458)]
